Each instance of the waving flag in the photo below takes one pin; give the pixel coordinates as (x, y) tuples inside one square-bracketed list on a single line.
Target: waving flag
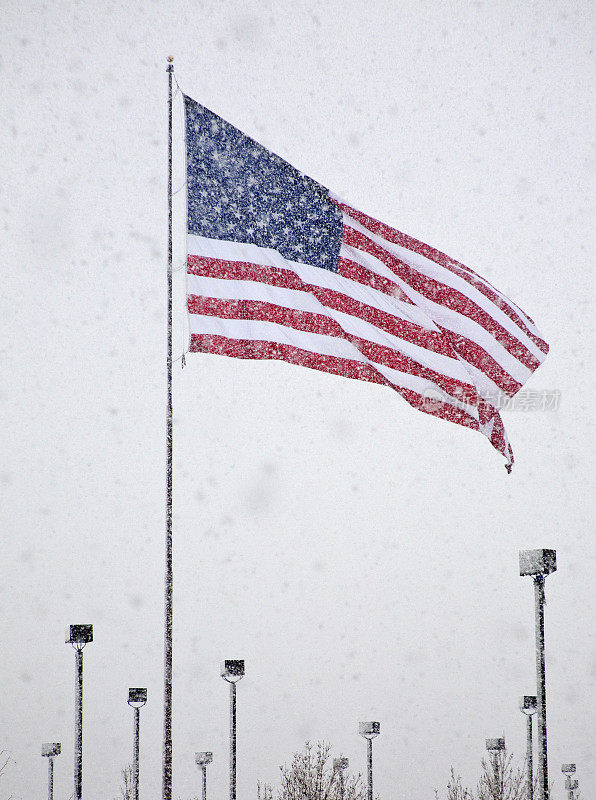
[(279, 268)]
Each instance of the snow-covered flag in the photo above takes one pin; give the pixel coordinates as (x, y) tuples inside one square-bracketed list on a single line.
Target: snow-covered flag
[(280, 268)]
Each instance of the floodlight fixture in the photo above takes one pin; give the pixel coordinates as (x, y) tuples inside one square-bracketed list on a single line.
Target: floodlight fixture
[(495, 745), (528, 704), (79, 635), (568, 769), (369, 729), (232, 670), (340, 763), (137, 697), (202, 759), (537, 562), (51, 749)]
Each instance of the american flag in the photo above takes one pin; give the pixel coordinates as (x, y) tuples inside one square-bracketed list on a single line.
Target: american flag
[(280, 268)]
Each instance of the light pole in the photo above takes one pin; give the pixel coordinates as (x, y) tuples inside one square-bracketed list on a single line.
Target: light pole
[(527, 705), (369, 730), (339, 765), (232, 671), (136, 700), (495, 746), (202, 759), (50, 750), (539, 564), (78, 636), (568, 770)]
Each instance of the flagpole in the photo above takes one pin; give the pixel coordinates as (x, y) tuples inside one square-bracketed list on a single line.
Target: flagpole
[(168, 588)]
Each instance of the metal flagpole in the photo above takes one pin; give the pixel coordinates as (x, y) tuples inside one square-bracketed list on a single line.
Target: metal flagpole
[(168, 589)]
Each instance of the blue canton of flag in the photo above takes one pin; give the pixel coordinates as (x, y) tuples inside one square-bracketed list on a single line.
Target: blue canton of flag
[(240, 191)]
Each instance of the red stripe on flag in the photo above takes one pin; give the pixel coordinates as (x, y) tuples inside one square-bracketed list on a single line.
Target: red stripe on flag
[(366, 277), (283, 278), (443, 295), (443, 260), (256, 349), (321, 324), (445, 343)]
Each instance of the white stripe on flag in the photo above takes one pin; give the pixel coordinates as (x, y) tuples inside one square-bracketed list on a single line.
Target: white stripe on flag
[(326, 279), (303, 301)]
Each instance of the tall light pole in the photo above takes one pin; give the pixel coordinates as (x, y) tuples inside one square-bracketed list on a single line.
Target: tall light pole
[(495, 746), (50, 750), (232, 671), (339, 765), (527, 705), (136, 700), (202, 759), (78, 636), (568, 770), (369, 730), (539, 564)]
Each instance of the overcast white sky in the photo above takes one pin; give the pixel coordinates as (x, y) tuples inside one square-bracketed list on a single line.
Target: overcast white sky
[(361, 556)]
